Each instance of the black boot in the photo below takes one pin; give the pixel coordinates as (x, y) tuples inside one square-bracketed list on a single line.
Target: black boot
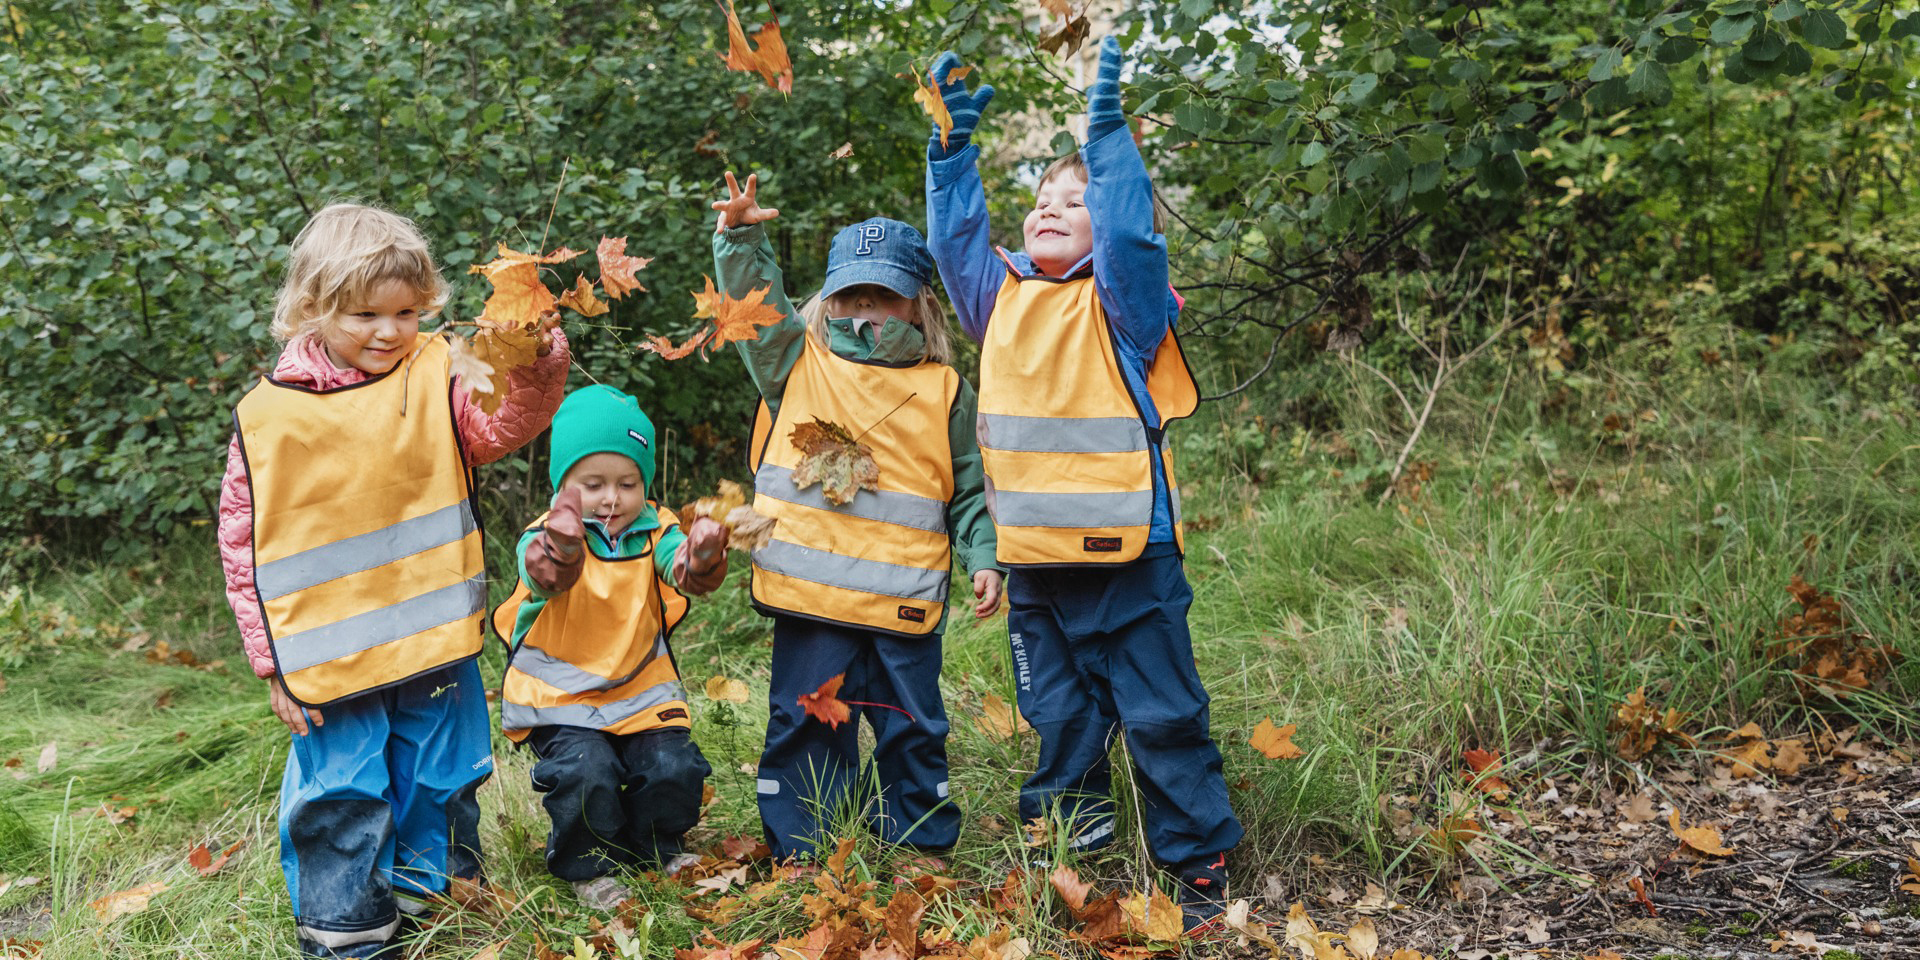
[(1203, 890)]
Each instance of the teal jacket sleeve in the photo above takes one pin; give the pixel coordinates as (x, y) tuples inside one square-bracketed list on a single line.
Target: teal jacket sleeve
[(973, 534), (668, 549), (742, 262)]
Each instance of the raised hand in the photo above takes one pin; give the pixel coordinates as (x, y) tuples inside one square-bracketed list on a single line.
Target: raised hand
[(741, 208), (965, 108), (565, 529), (1103, 98), (703, 560)]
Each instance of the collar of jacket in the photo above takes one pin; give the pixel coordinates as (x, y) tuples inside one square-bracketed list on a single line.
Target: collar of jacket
[(630, 542), (895, 342)]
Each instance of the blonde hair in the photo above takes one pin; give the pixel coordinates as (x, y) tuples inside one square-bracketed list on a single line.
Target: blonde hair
[(1072, 163), (926, 307), (341, 255)]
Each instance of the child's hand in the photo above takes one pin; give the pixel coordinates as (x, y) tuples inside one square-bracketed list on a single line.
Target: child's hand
[(290, 713), (549, 322), (1103, 98), (703, 559), (740, 209), (565, 529), (965, 109), (986, 593)]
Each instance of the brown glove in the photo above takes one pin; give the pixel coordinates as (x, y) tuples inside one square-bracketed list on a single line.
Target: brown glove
[(556, 554), (702, 563)]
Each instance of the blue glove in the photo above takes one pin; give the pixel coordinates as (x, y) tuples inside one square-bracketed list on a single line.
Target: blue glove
[(1103, 98), (964, 108)]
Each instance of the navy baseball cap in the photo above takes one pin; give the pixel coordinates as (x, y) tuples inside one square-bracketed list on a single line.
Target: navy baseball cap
[(878, 251)]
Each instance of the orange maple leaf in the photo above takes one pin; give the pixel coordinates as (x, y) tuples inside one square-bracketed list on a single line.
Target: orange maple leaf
[(581, 300), (519, 296), (770, 60), (1067, 883), (1275, 742), (665, 348), (741, 319), (824, 704), (203, 859), (833, 459), (559, 255), (1060, 8), (1484, 765), (617, 268)]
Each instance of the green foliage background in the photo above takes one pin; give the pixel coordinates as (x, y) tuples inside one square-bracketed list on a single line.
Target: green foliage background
[(1655, 174)]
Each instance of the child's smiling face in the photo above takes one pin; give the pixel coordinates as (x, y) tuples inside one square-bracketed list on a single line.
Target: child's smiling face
[(1058, 230), (376, 333), (611, 489)]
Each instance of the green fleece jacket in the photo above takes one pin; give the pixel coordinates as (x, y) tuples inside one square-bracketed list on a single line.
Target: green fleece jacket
[(743, 261)]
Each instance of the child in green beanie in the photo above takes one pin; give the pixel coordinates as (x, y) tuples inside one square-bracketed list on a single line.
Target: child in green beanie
[(591, 683)]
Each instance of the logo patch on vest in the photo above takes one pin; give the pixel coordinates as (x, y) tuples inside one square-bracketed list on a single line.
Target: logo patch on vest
[(1101, 544), (915, 614), (676, 713)]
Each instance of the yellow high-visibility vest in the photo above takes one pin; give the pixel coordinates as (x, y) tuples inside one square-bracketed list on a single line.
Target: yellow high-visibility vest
[(596, 655), (883, 560), (367, 555), (1067, 450)]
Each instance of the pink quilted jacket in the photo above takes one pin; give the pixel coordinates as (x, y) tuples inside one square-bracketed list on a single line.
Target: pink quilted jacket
[(533, 393)]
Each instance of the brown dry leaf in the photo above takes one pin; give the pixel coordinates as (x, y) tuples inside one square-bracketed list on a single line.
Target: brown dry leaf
[(617, 269), (1059, 8), (667, 351), (1153, 916), (832, 458), (475, 374), (998, 718), (1704, 839), (559, 255), (726, 689), (929, 100), (1068, 38), (1454, 833), (824, 705), (581, 300), (1789, 757), (1363, 939), (1748, 759), (1640, 809), (770, 61), (203, 861), (903, 920), (115, 905), (844, 151), (727, 495), (1310, 940), (491, 951), (1238, 918), (1067, 883), (49, 756), (1750, 731), (1643, 725), (1910, 881), (1275, 742), (1485, 766)]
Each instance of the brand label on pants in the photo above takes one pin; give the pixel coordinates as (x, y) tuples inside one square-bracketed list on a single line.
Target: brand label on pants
[(1021, 671)]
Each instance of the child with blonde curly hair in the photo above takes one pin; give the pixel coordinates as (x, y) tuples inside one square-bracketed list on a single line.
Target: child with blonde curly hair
[(349, 536)]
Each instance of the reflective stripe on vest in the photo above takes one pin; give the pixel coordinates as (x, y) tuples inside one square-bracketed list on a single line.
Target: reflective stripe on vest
[(883, 560), (369, 565), (597, 654), (1067, 451)]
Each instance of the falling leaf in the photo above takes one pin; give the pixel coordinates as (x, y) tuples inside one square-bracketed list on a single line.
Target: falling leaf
[(824, 704), (1705, 839), (665, 348), (113, 906), (1070, 36), (49, 755), (519, 296), (475, 374), (1275, 742), (769, 61), (832, 458), (726, 689), (844, 151), (748, 529), (998, 719), (727, 495), (929, 100), (581, 300), (617, 269), (729, 319), (1059, 8)]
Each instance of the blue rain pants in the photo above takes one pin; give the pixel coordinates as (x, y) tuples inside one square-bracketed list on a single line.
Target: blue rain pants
[(807, 770), (1097, 651), (616, 800), (377, 808)]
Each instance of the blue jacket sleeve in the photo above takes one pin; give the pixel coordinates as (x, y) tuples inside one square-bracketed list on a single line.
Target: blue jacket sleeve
[(1129, 256), (958, 237)]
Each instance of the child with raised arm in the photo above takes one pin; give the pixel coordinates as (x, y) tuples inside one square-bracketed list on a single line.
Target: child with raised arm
[(591, 683), (859, 587), (1079, 376), (353, 565)]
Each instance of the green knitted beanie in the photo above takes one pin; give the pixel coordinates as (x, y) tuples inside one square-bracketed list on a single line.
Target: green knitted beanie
[(600, 419)]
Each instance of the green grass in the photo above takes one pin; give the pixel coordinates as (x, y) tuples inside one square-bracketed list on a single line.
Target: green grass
[(1544, 574)]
